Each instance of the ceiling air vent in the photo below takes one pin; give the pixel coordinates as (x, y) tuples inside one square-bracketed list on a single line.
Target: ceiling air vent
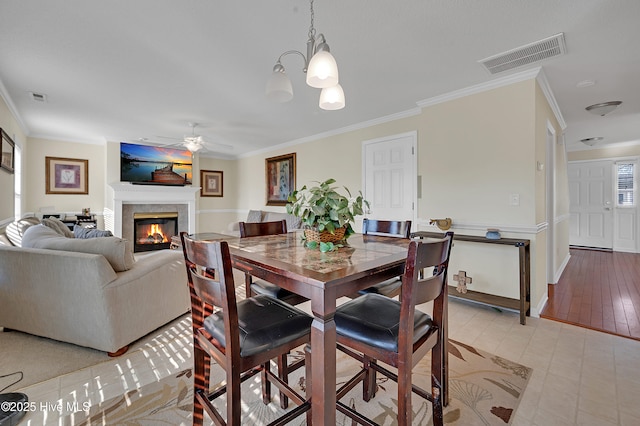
[(38, 97), (525, 55)]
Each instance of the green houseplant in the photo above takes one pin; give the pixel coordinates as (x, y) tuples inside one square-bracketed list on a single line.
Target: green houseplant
[(326, 213)]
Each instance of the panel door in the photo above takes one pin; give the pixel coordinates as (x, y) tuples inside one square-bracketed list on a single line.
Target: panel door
[(390, 177), (591, 204)]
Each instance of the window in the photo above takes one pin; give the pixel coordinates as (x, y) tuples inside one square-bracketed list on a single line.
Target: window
[(625, 184)]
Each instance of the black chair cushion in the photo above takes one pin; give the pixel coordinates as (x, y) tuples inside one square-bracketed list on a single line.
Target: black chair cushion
[(375, 320), (266, 288), (265, 323), (12, 407), (385, 288)]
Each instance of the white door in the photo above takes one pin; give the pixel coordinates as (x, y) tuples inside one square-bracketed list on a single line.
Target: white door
[(390, 178), (591, 203)]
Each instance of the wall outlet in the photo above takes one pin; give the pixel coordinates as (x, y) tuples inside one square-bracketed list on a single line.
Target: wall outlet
[(514, 199)]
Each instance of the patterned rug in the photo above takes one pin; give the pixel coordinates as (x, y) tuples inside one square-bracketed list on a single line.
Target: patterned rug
[(485, 390)]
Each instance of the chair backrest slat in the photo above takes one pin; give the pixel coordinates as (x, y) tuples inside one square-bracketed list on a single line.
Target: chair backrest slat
[(421, 255), (256, 229), (391, 228), (211, 284)]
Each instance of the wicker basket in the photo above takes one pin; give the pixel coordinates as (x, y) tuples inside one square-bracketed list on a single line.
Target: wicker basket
[(324, 236)]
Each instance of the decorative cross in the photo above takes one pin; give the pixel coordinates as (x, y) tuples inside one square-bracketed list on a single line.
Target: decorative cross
[(462, 279)]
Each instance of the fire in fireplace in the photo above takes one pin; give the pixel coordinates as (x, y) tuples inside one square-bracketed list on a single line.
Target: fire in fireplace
[(153, 231)]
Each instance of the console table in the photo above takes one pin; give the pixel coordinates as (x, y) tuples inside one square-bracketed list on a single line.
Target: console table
[(523, 304)]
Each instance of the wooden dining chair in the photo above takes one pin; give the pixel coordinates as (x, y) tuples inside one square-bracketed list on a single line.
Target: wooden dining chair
[(374, 328), (389, 228), (242, 337), (255, 286)]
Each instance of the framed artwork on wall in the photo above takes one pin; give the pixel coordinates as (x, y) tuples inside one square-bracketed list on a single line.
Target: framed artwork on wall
[(211, 183), (280, 178), (66, 175), (8, 152)]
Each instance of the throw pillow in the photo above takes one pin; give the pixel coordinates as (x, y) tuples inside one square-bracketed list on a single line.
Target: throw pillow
[(58, 226), (254, 216), (116, 250), (15, 230), (82, 232), (293, 222)]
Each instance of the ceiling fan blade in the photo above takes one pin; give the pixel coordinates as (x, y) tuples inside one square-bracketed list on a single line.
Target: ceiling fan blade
[(169, 137)]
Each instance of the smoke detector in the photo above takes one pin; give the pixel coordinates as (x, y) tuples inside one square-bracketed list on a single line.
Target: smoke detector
[(525, 55)]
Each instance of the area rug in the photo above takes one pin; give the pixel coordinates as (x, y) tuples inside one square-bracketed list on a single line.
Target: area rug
[(26, 359), (485, 390)]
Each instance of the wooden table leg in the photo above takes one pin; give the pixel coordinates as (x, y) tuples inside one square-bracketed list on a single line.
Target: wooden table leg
[(323, 365)]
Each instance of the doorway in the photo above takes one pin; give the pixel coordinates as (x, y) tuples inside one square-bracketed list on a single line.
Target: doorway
[(591, 203), (390, 177)]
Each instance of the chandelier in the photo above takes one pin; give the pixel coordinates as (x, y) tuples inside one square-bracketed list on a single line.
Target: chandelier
[(321, 69)]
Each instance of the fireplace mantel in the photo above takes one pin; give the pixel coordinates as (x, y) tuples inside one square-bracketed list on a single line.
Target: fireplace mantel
[(127, 193)]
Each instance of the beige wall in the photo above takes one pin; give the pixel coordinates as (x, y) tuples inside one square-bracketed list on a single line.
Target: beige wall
[(561, 256), (216, 213), (9, 124), (470, 170), (468, 173), (601, 153), (35, 182)]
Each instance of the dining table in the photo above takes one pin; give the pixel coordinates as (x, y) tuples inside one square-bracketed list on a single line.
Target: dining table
[(323, 278)]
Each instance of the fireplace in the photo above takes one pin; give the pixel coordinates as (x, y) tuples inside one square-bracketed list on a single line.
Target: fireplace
[(153, 231), (129, 199)]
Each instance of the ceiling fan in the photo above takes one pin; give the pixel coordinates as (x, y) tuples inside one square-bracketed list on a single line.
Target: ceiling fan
[(195, 143)]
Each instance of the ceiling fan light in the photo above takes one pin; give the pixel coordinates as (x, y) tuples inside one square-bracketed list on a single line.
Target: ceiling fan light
[(193, 146), (332, 98), (591, 141), (279, 87), (604, 108), (323, 70)]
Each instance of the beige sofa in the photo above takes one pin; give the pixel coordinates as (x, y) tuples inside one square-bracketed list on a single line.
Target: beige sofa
[(293, 222), (82, 298)]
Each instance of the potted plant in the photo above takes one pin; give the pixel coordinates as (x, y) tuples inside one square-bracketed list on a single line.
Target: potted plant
[(326, 214)]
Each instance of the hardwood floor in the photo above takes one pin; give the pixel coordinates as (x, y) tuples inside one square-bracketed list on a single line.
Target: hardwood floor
[(598, 290)]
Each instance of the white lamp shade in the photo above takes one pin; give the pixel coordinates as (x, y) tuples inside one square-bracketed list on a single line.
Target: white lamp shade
[(332, 98), (193, 143), (193, 146), (279, 87), (322, 71)]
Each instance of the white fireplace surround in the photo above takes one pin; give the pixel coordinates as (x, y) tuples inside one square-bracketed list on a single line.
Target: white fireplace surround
[(127, 193)]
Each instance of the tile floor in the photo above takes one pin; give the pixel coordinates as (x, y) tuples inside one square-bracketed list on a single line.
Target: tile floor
[(580, 376)]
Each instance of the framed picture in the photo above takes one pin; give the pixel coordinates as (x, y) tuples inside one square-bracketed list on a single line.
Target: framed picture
[(66, 175), (280, 178), (8, 152), (211, 183)]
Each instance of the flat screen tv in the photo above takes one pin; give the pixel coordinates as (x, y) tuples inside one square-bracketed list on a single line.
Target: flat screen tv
[(155, 165)]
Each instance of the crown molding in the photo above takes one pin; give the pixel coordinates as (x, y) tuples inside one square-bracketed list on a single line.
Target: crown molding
[(482, 87), (363, 125), (12, 108), (534, 73), (541, 78)]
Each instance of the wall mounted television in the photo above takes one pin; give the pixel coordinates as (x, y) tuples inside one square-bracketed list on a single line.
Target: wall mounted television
[(155, 165)]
